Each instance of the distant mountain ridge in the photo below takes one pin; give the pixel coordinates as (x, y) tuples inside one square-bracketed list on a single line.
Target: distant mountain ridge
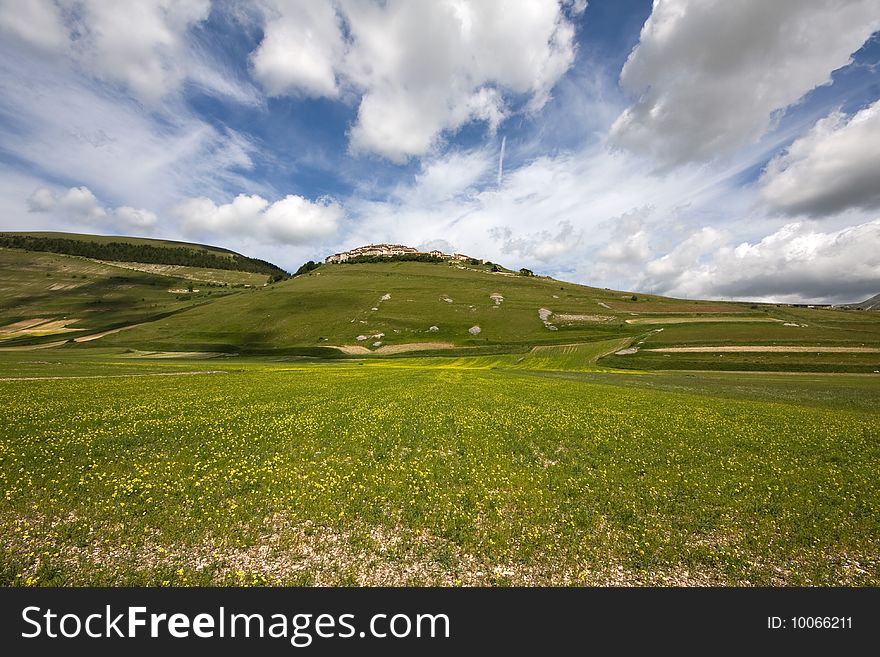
[(868, 304)]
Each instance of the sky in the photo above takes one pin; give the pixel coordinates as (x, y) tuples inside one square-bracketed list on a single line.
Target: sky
[(693, 148)]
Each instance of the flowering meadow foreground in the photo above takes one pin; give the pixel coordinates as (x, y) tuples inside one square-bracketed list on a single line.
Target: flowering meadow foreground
[(432, 471)]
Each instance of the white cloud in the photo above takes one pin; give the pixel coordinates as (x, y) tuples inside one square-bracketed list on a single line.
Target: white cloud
[(419, 68), (301, 44), (135, 217), (437, 245), (80, 206), (447, 177), (144, 46), (832, 168), (138, 43), (69, 128), (708, 74), (629, 243), (795, 263), (543, 246), (36, 22), (682, 267), (553, 214), (41, 200), (291, 220)]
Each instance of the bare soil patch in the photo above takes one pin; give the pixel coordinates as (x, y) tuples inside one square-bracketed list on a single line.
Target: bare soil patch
[(582, 318), (357, 350), (37, 326), (413, 346), (351, 349)]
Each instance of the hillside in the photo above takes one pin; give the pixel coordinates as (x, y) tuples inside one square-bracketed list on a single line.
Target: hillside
[(46, 297), (868, 304), (392, 308), (401, 308), (141, 250)]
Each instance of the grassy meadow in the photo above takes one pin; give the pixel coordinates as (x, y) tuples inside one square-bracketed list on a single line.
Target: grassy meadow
[(432, 471), (349, 427)]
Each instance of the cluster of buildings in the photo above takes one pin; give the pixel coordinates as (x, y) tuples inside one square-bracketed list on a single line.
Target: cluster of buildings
[(389, 250)]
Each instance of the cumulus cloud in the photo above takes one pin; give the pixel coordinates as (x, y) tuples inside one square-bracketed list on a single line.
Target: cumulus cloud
[(419, 69), (41, 200), (453, 175), (37, 23), (543, 245), (629, 244), (795, 263), (708, 74), (553, 214), (143, 46), (80, 205), (832, 168), (291, 220), (437, 245), (679, 268), (301, 44), (146, 58)]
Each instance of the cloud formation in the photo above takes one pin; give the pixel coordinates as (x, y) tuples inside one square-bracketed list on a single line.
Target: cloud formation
[(291, 220), (544, 245), (834, 167), (70, 128), (793, 264), (417, 68), (709, 74), (100, 36), (79, 205)]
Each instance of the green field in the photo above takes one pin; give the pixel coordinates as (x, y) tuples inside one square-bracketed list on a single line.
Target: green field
[(163, 426), (432, 471)]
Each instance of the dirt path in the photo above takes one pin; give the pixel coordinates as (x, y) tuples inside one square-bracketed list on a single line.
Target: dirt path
[(768, 349), (95, 336)]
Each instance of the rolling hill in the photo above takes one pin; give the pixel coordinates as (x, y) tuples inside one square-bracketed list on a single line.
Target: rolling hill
[(47, 295), (391, 309), (137, 249)]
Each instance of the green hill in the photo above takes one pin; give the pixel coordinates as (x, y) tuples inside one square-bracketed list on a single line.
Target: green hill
[(401, 308), (107, 283), (135, 249)]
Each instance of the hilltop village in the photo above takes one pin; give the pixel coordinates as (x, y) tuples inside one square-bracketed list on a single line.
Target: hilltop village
[(391, 250)]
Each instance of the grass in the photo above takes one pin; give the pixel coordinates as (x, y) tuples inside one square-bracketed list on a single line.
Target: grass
[(90, 295), (529, 453), (767, 362), (400, 303), (334, 305), (434, 471)]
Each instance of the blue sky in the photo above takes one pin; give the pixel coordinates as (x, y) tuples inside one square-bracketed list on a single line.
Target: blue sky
[(695, 148)]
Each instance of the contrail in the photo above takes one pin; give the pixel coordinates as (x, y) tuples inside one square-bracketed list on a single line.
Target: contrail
[(501, 159)]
